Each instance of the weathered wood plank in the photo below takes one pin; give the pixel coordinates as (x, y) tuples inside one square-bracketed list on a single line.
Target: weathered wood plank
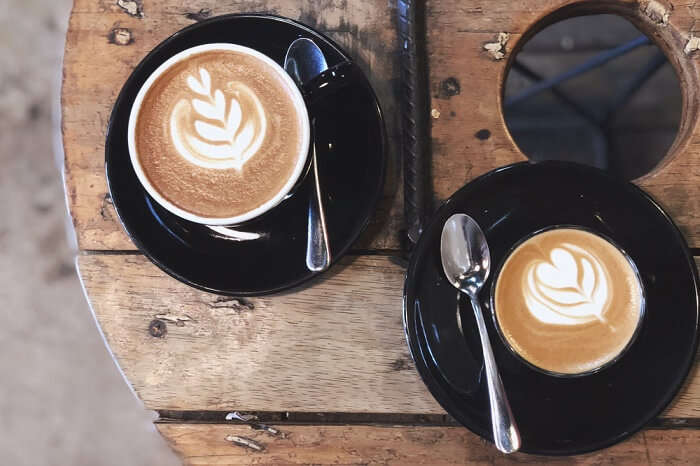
[(96, 66), (466, 84), (104, 43), (336, 346), (207, 444)]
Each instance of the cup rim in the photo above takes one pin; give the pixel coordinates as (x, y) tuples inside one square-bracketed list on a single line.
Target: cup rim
[(595, 370), (303, 154)]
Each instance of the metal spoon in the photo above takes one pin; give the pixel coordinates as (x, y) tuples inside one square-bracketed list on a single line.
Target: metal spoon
[(466, 261), (303, 62)]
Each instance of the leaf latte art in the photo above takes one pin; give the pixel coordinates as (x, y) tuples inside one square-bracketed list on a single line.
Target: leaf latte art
[(571, 288), (218, 128), (221, 134)]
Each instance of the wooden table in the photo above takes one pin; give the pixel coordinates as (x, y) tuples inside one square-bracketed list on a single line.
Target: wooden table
[(327, 365)]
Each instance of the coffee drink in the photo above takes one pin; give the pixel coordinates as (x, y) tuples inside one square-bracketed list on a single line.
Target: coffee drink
[(568, 301), (220, 133)]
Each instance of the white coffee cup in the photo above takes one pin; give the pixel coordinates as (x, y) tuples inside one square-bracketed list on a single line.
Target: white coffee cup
[(295, 96)]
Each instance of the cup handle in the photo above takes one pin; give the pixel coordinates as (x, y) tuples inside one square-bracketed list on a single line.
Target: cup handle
[(329, 82)]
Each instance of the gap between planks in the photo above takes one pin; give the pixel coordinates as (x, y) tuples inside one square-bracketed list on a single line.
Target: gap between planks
[(136, 252), (695, 252), (367, 419)]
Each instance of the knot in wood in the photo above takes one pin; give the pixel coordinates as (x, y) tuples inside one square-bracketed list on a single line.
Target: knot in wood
[(157, 328)]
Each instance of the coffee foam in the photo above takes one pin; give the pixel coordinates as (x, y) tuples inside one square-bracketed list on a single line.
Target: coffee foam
[(211, 133), (571, 288), (567, 300), (219, 134)]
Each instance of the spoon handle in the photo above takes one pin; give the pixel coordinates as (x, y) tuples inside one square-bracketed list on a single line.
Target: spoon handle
[(505, 431), (318, 251)]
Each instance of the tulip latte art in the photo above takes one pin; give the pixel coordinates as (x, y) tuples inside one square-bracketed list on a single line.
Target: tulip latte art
[(568, 301), (218, 134)]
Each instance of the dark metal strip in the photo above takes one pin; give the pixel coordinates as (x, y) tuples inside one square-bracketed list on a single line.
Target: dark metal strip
[(415, 103)]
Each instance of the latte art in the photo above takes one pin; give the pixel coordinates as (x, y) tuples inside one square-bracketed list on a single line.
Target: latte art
[(218, 128), (571, 288), (567, 301), (221, 134)]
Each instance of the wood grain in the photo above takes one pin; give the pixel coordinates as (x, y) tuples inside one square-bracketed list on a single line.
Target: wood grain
[(336, 346), (457, 33), (206, 444), (104, 43), (96, 65)]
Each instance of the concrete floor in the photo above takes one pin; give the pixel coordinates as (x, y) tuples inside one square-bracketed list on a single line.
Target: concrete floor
[(62, 399)]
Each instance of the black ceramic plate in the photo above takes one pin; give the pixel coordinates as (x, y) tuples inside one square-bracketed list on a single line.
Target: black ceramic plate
[(350, 143), (560, 415)]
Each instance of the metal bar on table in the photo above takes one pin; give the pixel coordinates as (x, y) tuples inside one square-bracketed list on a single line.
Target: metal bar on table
[(652, 66), (599, 139), (415, 106), (534, 76), (594, 62)]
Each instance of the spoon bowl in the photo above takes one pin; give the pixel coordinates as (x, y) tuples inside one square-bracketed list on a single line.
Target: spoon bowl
[(465, 254)]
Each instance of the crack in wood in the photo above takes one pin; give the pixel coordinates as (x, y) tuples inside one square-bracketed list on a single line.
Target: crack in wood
[(289, 418), (198, 16), (104, 209), (251, 419), (236, 304), (646, 447), (305, 418), (174, 319)]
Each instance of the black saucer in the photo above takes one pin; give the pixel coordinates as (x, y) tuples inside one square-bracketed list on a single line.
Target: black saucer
[(350, 145), (560, 416)]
